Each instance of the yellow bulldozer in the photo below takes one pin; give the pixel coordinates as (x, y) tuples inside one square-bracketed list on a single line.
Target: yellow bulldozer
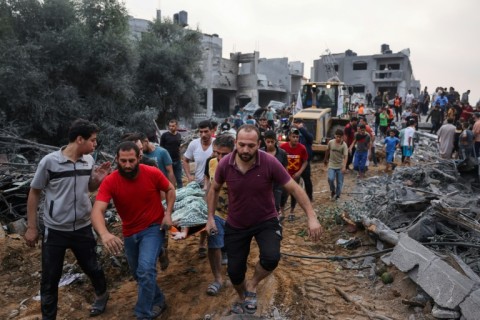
[(326, 107)]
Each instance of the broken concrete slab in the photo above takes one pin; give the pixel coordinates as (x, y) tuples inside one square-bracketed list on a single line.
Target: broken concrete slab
[(471, 306), (441, 313), (443, 283)]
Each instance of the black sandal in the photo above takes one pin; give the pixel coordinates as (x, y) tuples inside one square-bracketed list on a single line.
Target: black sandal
[(99, 306)]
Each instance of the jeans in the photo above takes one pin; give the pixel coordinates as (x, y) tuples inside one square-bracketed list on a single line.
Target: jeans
[(307, 181), (142, 250), (177, 171), (82, 243), (360, 160), (335, 174)]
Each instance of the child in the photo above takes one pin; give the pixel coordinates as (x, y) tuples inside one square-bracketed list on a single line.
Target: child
[(362, 140), (391, 143)]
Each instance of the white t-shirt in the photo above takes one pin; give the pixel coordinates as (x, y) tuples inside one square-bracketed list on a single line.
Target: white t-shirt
[(408, 133), (196, 154), (409, 99)]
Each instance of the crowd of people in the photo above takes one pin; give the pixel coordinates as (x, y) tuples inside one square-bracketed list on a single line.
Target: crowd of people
[(247, 176), (246, 189)]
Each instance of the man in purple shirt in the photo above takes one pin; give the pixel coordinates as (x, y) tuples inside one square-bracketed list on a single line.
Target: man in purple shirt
[(250, 174)]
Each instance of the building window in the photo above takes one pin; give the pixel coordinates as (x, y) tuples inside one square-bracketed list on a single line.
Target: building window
[(394, 66), (335, 67), (359, 66), (358, 89)]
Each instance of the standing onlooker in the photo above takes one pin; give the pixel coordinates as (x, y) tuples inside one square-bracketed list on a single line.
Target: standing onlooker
[(136, 192), (198, 151), (465, 142), (270, 115), (383, 116), (362, 142), (223, 145), (297, 162), (397, 104), (369, 97), (349, 136), (237, 122), (465, 97), (436, 116), (281, 155), (66, 176), (476, 132), (171, 141), (262, 127), (391, 143), (306, 138), (409, 98), (426, 101), (249, 175), (407, 141), (160, 155), (378, 101), (442, 101), (336, 158)]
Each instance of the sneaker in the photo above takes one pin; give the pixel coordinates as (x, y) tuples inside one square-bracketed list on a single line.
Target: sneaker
[(332, 195), (224, 258)]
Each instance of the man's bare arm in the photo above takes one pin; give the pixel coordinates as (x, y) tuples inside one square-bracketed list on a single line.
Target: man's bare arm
[(31, 235)]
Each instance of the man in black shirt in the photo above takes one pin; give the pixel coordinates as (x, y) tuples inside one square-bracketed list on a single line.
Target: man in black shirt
[(171, 141)]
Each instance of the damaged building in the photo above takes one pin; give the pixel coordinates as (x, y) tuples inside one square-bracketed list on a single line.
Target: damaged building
[(385, 71), (243, 78)]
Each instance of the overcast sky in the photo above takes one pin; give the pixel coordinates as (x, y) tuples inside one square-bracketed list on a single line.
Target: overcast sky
[(439, 33)]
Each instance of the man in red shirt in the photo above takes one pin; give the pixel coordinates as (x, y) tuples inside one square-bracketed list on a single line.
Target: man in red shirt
[(297, 157), (135, 189), (348, 136)]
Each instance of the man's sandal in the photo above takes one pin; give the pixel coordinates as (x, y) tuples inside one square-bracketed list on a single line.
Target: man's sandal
[(237, 308), (99, 305), (214, 288), (250, 303)]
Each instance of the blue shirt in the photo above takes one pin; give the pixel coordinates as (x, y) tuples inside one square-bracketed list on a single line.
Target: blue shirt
[(161, 156), (391, 143)]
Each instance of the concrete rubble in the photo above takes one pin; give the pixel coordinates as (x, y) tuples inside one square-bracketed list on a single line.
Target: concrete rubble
[(431, 203)]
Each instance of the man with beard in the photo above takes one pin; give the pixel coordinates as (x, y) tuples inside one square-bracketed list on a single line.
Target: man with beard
[(249, 174), (66, 176), (136, 192)]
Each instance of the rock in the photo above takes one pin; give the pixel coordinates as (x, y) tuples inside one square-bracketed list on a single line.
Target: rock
[(18, 226), (387, 277), (441, 313)]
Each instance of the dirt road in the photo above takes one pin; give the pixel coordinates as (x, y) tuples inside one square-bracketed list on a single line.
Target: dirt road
[(298, 289)]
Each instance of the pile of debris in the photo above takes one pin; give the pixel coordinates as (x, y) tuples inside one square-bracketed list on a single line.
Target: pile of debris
[(429, 204)]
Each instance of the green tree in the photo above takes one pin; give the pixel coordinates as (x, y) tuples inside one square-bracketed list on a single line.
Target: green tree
[(62, 59), (168, 66)]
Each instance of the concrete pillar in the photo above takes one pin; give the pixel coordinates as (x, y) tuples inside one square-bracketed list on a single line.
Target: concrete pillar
[(209, 102)]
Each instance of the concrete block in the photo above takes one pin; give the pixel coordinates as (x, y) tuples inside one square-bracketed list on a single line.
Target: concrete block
[(18, 226), (471, 306), (439, 280), (441, 313)]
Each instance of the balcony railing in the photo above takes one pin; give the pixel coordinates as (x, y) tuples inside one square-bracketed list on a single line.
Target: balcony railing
[(387, 75)]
